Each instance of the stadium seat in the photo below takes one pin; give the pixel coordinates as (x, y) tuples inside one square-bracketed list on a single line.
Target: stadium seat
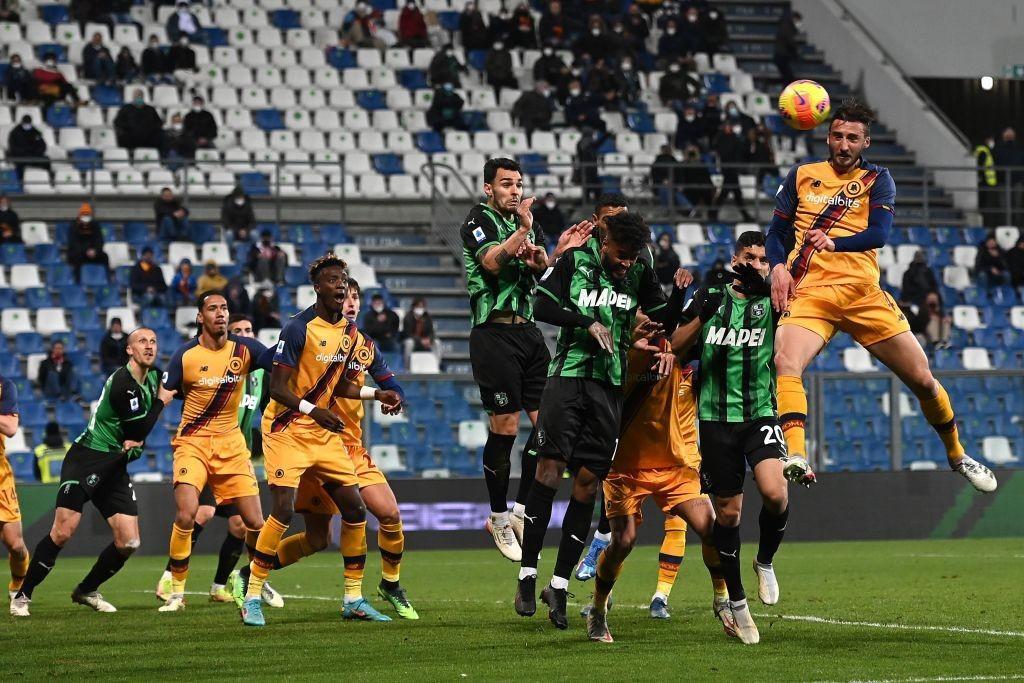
[(423, 363), (857, 359), (998, 451), (976, 359), (967, 318), (472, 433), (1007, 236)]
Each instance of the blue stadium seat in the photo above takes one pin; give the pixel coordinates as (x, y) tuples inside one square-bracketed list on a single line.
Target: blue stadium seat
[(460, 460), (137, 233), (301, 233), (28, 342), (12, 254), (430, 142), (23, 384), (371, 100), (403, 434), (60, 116), (164, 459), (475, 121), (395, 361), (54, 14), (85, 320), (419, 457), (10, 366), (107, 95), (268, 119), (413, 79), (388, 164), (476, 59), (313, 250), (608, 146), (108, 295), (86, 158), (458, 410), (9, 182), (534, 164), (274, 228), (37, 297), (123, 276), (719, 233), (995, 317), (32, 415), (449, 20), (203, 231), (716, 83), (334, 233), (216, 36), (295, 276), (285, 19), (254, 184), (23, 466), (91, 386), (341, 58), (919, 235), (93, 275), (139, 465), (1004, 296), (46, 254), (59, 51), (640, 122), (8, 298)]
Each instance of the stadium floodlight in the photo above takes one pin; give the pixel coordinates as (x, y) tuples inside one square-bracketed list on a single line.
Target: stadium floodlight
[(987, 82)]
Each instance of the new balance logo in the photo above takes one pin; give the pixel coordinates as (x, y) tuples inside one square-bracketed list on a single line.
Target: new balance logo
[(205, 368), (723, 336)]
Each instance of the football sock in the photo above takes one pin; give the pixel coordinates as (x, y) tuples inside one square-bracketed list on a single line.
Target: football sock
[(181, 551), (773, 528), (391, 542), (603, 526), (939, 413), (497, 464), (575, 527), (43, 559), (292, 549), (264, 555), (714, 566), (230, 551), (727, 541), (604, 580), (529, 468), (197, 529), (673, 547), (19, 567), (537, 515), (353, 553), (793, 413), (107, 564)]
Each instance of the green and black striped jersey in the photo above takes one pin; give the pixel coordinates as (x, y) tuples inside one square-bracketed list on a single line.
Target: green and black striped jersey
[(250, 404), (513, 288), (736, 348), (578, 282), (123, 412)]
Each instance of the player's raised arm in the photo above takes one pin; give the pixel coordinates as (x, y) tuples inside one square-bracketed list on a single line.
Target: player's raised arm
[(780, 240), (480, 237), (9, 419), (698, 310), (553, 305)]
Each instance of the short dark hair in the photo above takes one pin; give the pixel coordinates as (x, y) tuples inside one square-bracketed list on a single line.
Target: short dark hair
[(750, 238), (201, 299), (238, 317), (613, 199), (493, 165), (328, 260), (853, 110), (354, 284), (629, 230)]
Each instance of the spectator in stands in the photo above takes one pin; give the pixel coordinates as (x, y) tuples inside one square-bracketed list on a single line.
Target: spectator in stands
[(155, 65), (555, 27), (550, 68), (18, 82), (265, 310), (672, 45), (126, 68), (713, 116), (524, 32), (97, 64), (200, 124), (51, 85), (1007, 152), (183, 285), (734, 115), (582, 108), (184, 23), (629, 85), (716, 33), (362, 27), (600, 79), (138, 125), (691, 129), (585, 172), (498, 69), (237, 215), (730, 153), (534, 109), (664, 172), (90, 11), (181, 59), (9, 12), (717, 274), (787, 49), (26, 142), (445, 68), (211, 278), (446, 109), (57, 377), (695, 179), (637, 30), (679, 84), (666, 260), (147, 281), (267, 262), (381, 324), (1014, 261), (472, 29), (760, 154), (939, 326), (594, 41), (10, 223), (918, 280), (990, 263), (499, 26), (412, 28), (179, 144), (171, 217), (237, 296), (113, 347), (85, 242), (53, 449), (418, 331), (548, 215)]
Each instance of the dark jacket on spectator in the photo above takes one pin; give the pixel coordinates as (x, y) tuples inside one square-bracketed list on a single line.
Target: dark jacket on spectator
[(444, 68), (181, 57), (201, 124), (25, 143), (81, 238), (473, 30), (384, 332), (143, 279), (167, 208), (154, 61), (138, 126), (532, 110), (174, 31), (10, 226), (113, 352), (417, 328), (553, 70), (1014, 260), (239, 220), (551, 221), (918, 280), (666, 263), (19, 83), (663, 170)]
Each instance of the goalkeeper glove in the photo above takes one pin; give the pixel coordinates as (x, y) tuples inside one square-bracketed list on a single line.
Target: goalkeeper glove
[(751, 282), (798, 471)]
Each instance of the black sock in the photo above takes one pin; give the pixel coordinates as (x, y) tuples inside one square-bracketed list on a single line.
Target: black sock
[(529, 469), (538, 514), (603, 525), (197, 529), (497, 464), (727, 541), (107, 564), (773, 528), (575, 529), (43, 559), (244, 573), (230, 551)]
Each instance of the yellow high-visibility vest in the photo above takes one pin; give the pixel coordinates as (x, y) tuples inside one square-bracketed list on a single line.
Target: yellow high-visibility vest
[(45, 456), (986, 164)]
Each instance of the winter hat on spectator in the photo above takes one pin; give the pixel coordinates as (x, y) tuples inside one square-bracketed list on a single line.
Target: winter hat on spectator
[(85, 209)]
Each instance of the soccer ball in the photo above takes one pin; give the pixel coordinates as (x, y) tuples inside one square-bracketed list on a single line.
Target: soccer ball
[(804, 104)]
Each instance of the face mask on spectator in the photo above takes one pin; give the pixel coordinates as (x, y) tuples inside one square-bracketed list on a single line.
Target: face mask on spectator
[(627, 66), (595, 31), (26, 126), (617, 29), (239, 201), (691, 17), (86, 218), (378, 307), (690, 118), (499, 46), (712, 15), (674, 68), (153, 43), (419, 311), (138, 101), (52, 63), (550, 203), (671, 30), (176, 126), (15, 65), (575, 92), (196, 108), (737, 129), (449, 87), (733, 112), (798, 25)]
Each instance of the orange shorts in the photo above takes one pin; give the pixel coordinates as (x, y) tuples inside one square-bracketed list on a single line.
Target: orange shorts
[(10, 510), (222, 462), (288, 454), (863, 311), (625, 492), (311, 497), (366, 469)]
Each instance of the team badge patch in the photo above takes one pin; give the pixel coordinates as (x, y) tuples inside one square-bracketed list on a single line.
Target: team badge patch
[(501, 399), (853, 188), (133, 404), (479, 235), (235, 365), (279, 473), (92, 479), (182, 472), (757, 310)]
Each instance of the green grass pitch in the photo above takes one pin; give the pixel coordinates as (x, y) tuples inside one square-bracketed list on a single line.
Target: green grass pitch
[(900, 610)]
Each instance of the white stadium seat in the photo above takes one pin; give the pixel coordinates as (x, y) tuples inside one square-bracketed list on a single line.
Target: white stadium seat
[(857, 359), (51, 321), (423, 363), (967, 318), (25, 276), (15, 320)]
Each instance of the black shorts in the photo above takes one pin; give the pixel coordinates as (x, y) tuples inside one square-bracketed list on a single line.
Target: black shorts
[(224, 510), (727, 448), (510, 365), (579, 423), (100, 477)]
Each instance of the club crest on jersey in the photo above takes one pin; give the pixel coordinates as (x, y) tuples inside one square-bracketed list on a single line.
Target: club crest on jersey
[(853, 188), (363, 355), (92, 479), (592, 298), (757, 310), (479, 235), (500, 399), (235, 365)]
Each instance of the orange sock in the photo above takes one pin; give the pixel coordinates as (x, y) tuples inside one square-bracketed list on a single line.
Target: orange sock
[(604, 580), (353, 553), (391, 542), (673, 547), (293, 549), (264, 556), (792, 413), (19, 567), (180, 552), (939, 413)]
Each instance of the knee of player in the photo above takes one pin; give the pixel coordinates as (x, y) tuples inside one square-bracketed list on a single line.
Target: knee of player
[(61, 534), (354, 514), (283, 512), (921, 381), (389, 517), (128, 548), (728, 515), (625, 540), (785, 363), (185, 519), (776, 501)]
